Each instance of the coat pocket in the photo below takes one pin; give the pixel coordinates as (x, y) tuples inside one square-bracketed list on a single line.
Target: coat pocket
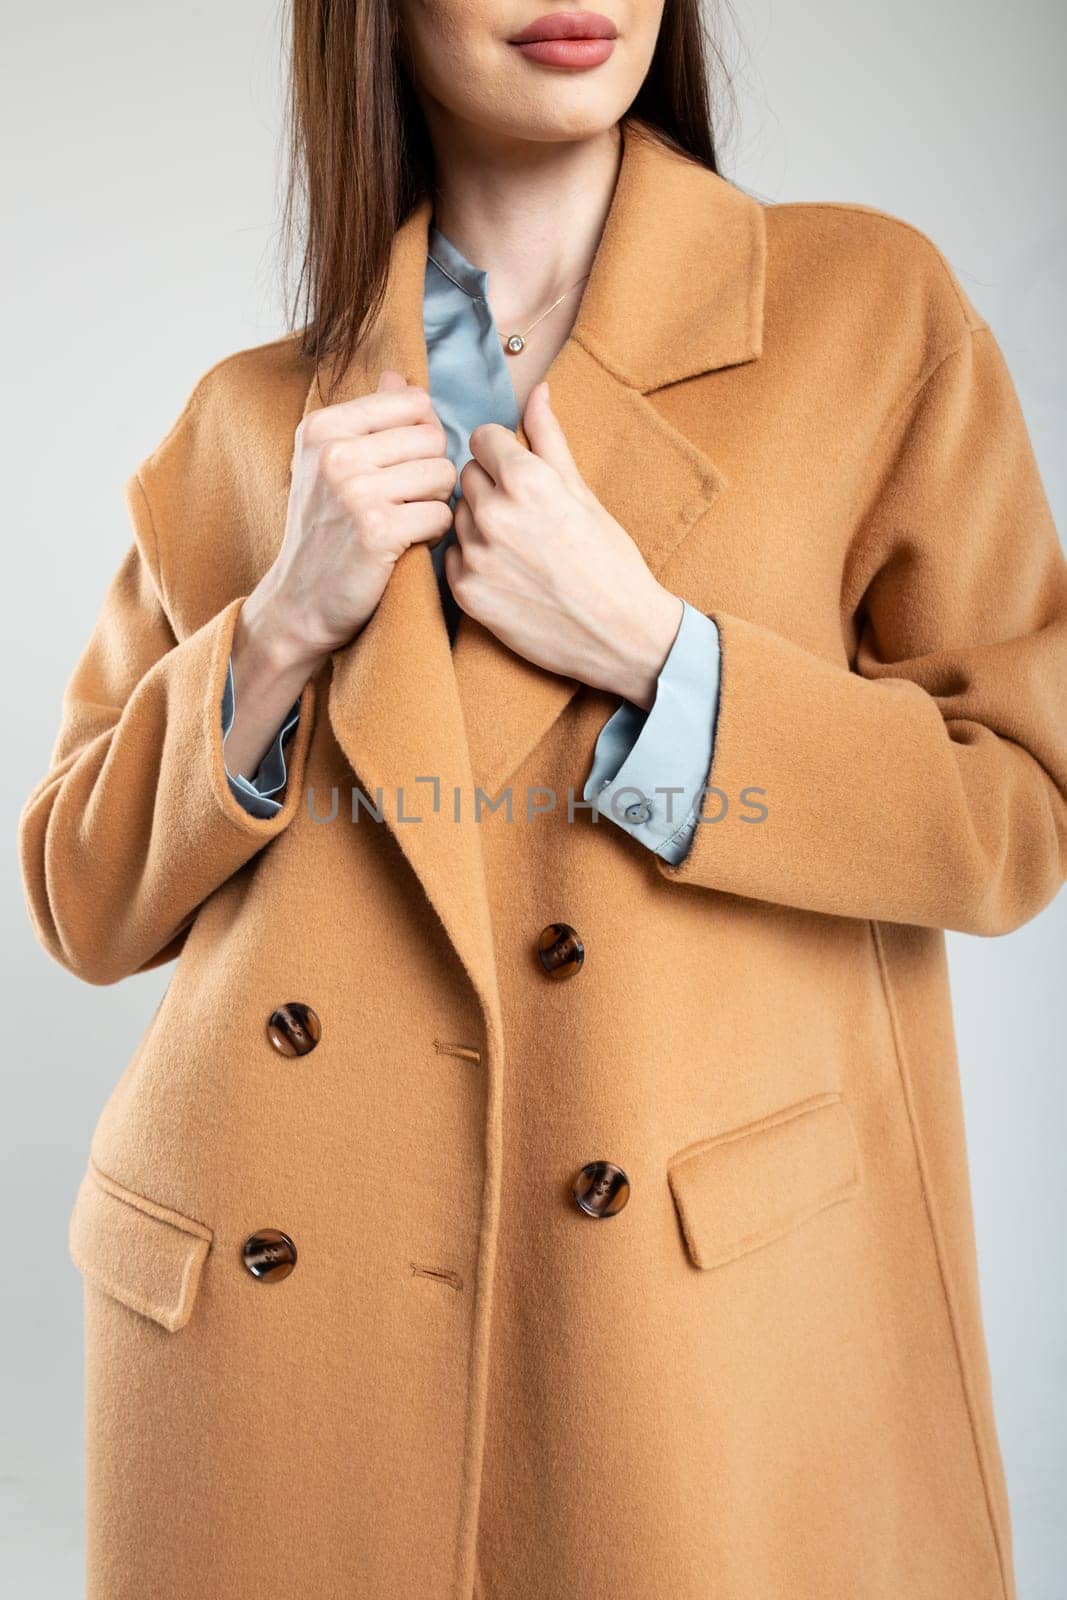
[(142, 1253), (742, 1189)]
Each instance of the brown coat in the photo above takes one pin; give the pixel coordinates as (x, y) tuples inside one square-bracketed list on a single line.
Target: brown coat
[(765, 1376)]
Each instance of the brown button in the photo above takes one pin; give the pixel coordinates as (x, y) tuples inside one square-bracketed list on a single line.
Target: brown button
[(269, 1255), (601, 1189), (294, 1029), (559, 950)]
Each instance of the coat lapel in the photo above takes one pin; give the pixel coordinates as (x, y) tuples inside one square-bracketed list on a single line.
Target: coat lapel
[(393, 700), (676, 289)]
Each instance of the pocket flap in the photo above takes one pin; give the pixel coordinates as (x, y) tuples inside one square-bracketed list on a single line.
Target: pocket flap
[(144, 1254), (739, 1190)]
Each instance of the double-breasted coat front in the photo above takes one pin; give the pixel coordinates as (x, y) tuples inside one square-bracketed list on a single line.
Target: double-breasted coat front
[(763, 1375)]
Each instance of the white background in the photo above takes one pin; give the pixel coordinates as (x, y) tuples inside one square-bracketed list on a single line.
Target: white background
[(140, 164)]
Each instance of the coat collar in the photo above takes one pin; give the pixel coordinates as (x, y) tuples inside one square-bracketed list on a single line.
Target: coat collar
[(676, 289)]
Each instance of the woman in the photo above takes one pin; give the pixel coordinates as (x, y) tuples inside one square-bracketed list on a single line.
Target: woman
[(541, 1179)]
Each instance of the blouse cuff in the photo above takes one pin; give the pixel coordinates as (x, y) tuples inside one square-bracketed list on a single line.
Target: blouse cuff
[(650, 767)]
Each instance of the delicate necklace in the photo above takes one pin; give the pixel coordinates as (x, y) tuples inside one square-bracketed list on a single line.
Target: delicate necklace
[(516, 342)]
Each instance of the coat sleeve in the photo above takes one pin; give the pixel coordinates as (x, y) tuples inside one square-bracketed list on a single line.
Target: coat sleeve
[(925, 780), (134, 825)]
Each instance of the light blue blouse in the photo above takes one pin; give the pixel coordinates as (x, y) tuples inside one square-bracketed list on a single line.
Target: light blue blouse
[(649, 767)]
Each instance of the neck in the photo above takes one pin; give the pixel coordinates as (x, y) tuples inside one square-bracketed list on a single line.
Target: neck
[(530, 212)]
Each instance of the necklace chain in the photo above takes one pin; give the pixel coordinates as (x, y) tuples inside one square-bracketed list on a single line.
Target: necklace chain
[(515, 342)]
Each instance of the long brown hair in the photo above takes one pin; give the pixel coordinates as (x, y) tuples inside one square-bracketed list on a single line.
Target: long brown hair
[(360, 155)]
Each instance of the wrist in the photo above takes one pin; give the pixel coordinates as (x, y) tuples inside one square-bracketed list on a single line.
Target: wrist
[(647, 647), (266, 631)]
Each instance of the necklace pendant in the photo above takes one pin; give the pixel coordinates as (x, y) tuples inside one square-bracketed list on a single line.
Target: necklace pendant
[(514, 343)]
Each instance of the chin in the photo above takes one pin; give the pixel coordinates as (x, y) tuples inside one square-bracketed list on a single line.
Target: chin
[(560, 114)]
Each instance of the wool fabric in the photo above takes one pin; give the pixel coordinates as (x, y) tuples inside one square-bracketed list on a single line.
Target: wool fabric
[(764, 1378)]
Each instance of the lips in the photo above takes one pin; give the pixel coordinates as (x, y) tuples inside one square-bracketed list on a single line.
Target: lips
[(567, 25)]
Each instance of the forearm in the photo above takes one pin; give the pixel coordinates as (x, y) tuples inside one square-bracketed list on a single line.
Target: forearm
[(270, 669)]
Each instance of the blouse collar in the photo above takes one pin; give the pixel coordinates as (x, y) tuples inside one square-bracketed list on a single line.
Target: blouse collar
[(474, 281)]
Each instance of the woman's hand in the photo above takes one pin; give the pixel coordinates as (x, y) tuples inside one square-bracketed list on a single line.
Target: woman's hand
[(370, 477), (543, 566)]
